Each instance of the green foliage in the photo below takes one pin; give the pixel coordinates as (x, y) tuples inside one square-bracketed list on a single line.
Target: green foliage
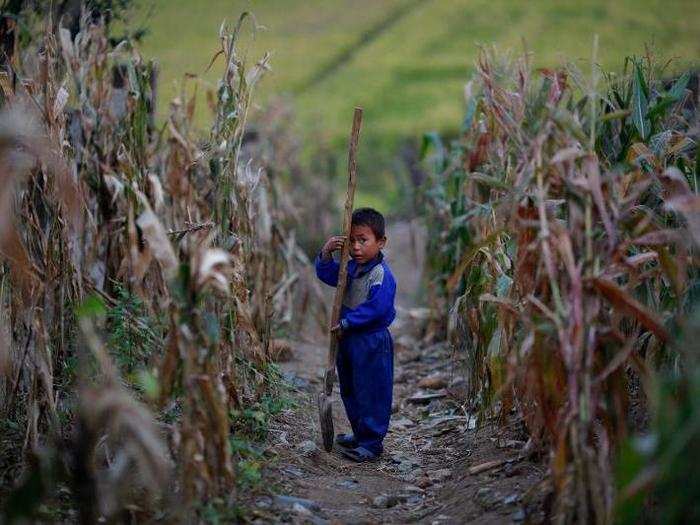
[(661, 465), (218, 511), (561, 212), (410, 76), (134, 334), (253, 421), (632, 112), (91, 307)]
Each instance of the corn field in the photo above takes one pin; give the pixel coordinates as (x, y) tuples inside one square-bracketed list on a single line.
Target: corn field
[(142, 269), (151, 273), (565, 239)]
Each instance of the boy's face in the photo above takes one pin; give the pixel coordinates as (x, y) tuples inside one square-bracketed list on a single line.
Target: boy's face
[(364, 245)]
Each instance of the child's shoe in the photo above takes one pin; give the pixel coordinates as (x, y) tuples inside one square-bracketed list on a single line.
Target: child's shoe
[(346, 440), (359, 454)]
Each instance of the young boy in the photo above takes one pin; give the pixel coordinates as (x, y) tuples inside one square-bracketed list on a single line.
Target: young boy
[(366, 352)]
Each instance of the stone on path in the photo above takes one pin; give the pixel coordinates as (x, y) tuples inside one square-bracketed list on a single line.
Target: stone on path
[(439, 475), (423, 398), (385, 501), (307, 448), (289, 502), (434, 382)]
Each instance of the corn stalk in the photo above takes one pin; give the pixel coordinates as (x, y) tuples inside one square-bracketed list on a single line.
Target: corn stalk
[(557, 240)]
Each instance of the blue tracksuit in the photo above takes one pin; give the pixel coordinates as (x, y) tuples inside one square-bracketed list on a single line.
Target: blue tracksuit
[(366, 354)]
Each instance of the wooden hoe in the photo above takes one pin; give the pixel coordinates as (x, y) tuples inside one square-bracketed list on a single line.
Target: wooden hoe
[(325, 405)]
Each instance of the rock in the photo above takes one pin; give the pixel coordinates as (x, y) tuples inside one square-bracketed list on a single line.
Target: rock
[(405, 467), (399, 457), (288, 502), (424, 482), (518, 516), (300, 509), (293, 471), (263, 503), (486, 498), (439, 420), (294, 380), (307, 448), (512, 469), (409, 477), (442, 431), (385, 501), (509, 500), (458, 381), (434, 382), (458, 389), (348, 483), (510, 443), (402, 423), (439, 475), (414, 500), (422, 398), (433, 406)]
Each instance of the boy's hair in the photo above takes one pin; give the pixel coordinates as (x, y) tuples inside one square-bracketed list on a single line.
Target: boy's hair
[(371, 218)]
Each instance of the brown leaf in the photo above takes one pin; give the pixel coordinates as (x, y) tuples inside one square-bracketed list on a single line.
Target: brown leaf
[(468, 258), (658, 237), (281, 351), (155, 235), (621, 299), (594, 183)]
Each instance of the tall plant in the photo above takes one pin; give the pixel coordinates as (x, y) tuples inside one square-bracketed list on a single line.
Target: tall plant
[(110, 206), (564, 253)]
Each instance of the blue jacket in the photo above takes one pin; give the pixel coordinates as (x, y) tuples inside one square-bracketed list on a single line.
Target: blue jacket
[(368, 305)]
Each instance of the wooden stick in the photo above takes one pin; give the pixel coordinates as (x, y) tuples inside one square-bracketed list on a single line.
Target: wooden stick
[(345, 253), (483, 467)]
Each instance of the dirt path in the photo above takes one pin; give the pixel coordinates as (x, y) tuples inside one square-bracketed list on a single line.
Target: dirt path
[(423, 476)]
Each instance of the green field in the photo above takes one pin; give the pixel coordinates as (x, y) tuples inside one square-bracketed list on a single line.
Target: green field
[(405, 62)]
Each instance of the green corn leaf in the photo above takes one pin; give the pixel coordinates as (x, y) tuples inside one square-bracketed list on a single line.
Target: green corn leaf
[(639, 104), (432, 141), (669, 98), (492, 182), (660, 106), (639, 73), (614, 115), (678, 89)]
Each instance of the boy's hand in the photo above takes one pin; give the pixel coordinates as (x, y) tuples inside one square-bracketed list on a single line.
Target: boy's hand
[(337, 330), (332, 244)]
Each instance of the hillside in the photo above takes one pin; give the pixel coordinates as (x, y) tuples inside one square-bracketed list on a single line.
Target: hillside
[(405, 62)]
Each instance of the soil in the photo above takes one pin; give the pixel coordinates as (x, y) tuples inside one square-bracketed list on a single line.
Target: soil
[(424, 474)]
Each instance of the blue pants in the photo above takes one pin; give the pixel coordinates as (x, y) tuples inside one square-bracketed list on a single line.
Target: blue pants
[(366, 373)]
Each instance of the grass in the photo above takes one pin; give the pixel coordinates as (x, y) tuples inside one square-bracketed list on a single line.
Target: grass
[(410, 74)]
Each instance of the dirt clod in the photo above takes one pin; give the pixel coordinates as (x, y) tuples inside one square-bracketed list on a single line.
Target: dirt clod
[(435, 382)]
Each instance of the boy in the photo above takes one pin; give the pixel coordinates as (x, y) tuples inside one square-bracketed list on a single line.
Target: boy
[(365, 359)]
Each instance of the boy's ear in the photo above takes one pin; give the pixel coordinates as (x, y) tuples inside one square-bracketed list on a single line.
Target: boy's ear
[(381, 243)]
